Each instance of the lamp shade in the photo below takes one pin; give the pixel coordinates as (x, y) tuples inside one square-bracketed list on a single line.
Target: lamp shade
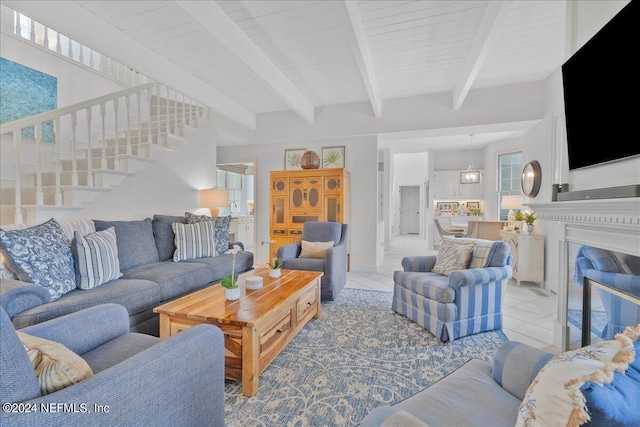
[(511, 202), (214, 198)]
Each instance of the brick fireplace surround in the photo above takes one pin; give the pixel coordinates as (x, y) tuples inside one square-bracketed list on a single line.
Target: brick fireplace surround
[(612, 224)]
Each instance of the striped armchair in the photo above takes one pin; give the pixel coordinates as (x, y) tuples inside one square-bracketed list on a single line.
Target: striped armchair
[(616, 270), (460, 303)]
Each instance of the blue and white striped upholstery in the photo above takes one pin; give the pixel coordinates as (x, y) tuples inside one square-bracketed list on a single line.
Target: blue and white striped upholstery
[(620, 271), (467, 302), (96, 258)]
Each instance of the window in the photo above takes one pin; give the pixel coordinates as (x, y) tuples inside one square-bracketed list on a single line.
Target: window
[(233, 182), (509, 167)]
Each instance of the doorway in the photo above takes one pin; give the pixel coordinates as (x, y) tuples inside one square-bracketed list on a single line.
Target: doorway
[(410, 209)]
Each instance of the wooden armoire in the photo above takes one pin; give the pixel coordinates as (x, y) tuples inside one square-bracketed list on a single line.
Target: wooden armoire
[(304, 195)]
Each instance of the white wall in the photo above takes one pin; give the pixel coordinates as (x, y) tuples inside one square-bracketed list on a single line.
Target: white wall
[(361, 161)]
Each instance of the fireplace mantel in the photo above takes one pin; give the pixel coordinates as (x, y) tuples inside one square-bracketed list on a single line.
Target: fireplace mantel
[(612, 224)]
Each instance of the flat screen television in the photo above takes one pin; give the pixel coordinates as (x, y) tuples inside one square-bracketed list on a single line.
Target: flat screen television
[(601, 84)]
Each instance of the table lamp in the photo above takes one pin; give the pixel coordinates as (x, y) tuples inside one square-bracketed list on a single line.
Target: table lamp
[(214, 198), (512, 202)]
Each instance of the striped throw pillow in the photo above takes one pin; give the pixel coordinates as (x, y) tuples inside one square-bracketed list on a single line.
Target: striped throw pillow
[(194, 240), (96, 258)]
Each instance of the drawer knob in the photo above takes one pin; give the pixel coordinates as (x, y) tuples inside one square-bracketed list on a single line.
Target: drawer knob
[(309, 303), (279, 331)]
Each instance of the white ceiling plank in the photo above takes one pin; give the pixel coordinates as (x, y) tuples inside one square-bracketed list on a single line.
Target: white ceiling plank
[(358, 41), (491, 21), (216, 21)]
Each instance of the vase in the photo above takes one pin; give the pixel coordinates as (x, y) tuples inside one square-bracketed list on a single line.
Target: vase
[(530, 228), (232, 294), (310, 160), (275, 273)]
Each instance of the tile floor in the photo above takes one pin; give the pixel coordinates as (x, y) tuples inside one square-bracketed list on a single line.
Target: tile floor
[(528, 311)]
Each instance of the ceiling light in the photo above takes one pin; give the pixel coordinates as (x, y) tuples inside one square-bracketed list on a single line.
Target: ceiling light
[(471, 175)]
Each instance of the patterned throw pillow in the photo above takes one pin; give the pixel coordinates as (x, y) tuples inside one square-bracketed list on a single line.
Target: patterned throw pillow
[(555, 397), (221, 230), (481, 254), (452, 256), (56, 366), (96, 258), (40, 255), (193, 240), (314, 249)]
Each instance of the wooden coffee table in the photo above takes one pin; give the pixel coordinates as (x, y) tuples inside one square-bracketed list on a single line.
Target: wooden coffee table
[(257, 326)]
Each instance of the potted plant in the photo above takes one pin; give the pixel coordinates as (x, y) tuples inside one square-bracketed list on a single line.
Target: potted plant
[(275, 268), (528, 219), (230, 283)]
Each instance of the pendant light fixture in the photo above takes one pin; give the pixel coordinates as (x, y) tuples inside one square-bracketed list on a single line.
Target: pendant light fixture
[(471, 175)]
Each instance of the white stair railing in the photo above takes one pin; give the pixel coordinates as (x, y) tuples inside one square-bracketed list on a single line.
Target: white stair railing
[(111, 117)]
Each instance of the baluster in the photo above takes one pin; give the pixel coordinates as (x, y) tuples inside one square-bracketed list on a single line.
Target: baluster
[(128, 105), (150, 99), (74, 160), (17, 143), (139, 124), (90, 150), (116, 145), (103, 163), (158, 112), (46, 37), (18, 29), (70, 49), (56, 138), (190, 111), (58, 46), (184, 112), (91, 59), (168, 116), (175, 110), (37, 130), (32, 34), (81, 55)]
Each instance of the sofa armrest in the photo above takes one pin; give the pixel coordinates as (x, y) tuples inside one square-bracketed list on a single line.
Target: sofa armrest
[(419, 264), (177, 382), (86, 329), (286, 252), (17, 296), (232, 244), (515, 366), (479, 276)]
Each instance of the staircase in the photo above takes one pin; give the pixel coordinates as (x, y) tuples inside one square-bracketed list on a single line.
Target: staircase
[(95, 145)]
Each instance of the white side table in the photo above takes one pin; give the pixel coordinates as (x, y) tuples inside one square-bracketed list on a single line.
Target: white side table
[(527, 251)]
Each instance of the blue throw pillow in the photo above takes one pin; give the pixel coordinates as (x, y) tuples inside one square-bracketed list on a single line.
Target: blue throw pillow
[(221, 229), (40, 255), (616, 403)]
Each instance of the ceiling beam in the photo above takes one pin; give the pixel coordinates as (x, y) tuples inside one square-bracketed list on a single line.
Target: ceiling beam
[(491, 21), (360, 48), (217, 23)]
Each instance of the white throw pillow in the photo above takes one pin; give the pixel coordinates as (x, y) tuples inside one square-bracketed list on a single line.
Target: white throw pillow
[(96, 258)]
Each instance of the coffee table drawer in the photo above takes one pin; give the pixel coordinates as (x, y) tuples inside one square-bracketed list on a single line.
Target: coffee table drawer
[(307, 304), (276, 333)]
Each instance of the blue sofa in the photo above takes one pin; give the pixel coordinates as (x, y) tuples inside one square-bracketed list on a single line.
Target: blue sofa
[(139, 379), (465, 302), (149, 276)]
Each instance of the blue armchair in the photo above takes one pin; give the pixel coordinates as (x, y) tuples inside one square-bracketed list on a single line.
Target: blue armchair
[(141, 379), (334, 263), (616, 270), (466, 302)]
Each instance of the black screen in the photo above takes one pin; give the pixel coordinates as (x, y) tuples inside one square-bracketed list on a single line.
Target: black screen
[(601, 91)]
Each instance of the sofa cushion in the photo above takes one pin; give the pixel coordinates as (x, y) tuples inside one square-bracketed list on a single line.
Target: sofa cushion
[(164, 236), (96, 258), (40, 255), (118, 350), (452, 256), (431, 285), (220, 266), (55, 365), (222, 225), (314, 249), (309, 264), (468, 396), (556, 397), (175, 278), (136, 244), (194, 241), (135, 295)]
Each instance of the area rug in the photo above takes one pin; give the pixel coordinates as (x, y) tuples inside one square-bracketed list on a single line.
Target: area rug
[(358, 355), (599, 320)]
